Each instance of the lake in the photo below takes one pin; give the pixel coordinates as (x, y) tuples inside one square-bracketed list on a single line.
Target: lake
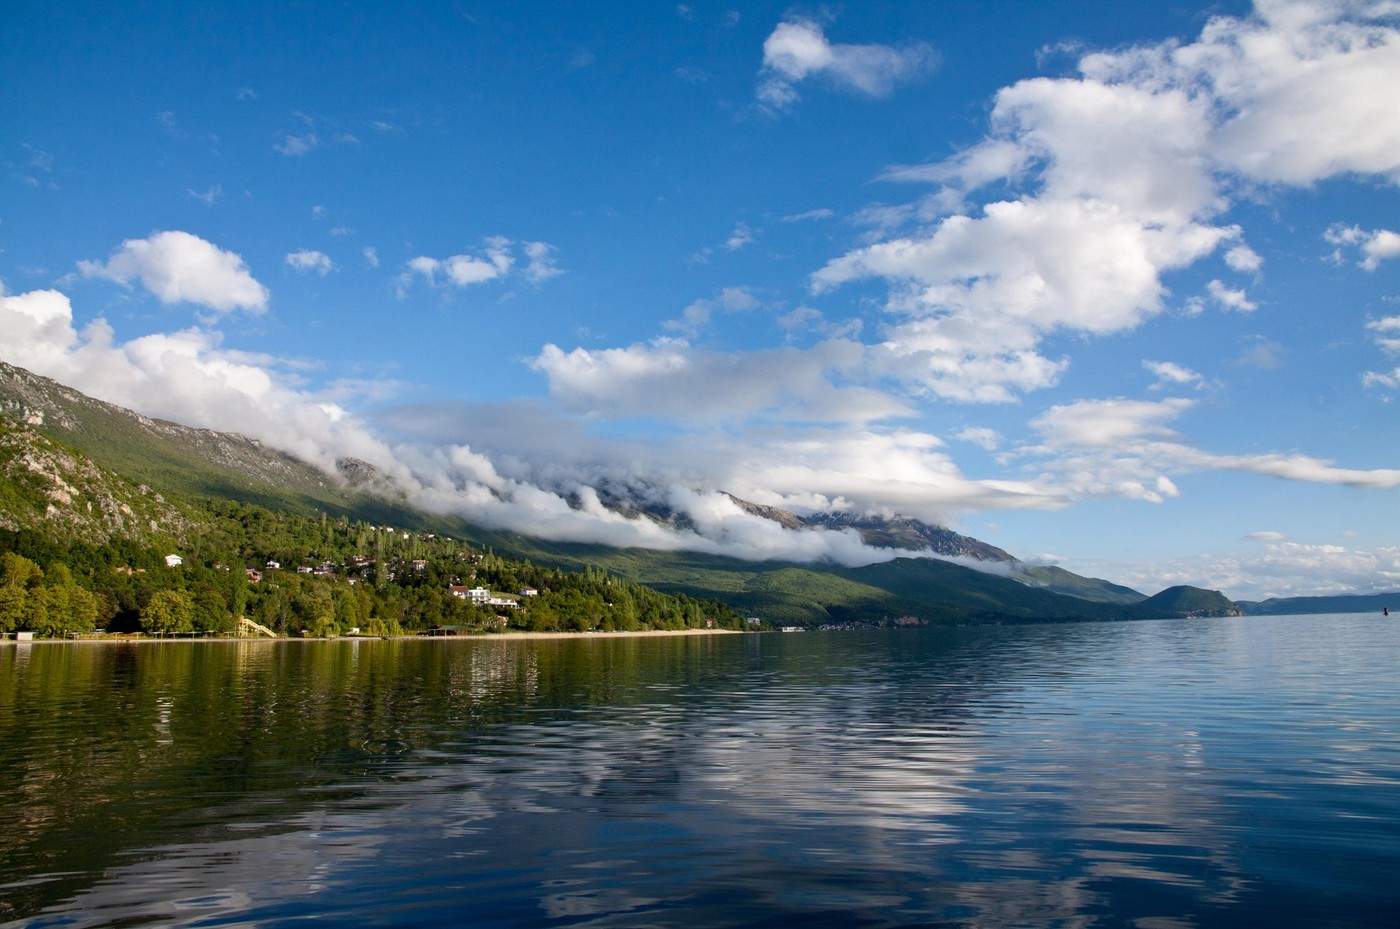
[(1169, 774)]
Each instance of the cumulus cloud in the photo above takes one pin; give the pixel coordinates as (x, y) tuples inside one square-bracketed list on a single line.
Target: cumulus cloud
[(798, 49), (1124, 170), (1170, 374), (1375, 245), (1230, 298), (1297, 88), (1386, 333), (496, 261), (371, 255), (178, 267), (1244, 259), (310, 260)]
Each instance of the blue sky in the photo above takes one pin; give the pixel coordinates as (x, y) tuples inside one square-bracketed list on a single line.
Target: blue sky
[(1112, 285)]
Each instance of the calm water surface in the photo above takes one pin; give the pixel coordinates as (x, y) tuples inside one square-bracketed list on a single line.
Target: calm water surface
[(1157, 775)]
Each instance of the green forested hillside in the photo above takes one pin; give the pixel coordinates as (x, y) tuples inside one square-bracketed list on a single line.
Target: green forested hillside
[(1185, 601), (82, 548)]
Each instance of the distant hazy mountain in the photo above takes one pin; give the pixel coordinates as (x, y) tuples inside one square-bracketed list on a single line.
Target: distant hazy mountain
[(902, 532), (1358, 603), (121, 451)]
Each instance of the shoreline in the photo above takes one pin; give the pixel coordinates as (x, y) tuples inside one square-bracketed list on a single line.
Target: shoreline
[(517, 636)]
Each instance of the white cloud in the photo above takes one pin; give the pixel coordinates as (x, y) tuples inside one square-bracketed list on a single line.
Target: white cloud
[(1299, 89), (207, 197), (1125, 169), (294, 146), (541, 262), (310, 260), (798, 49), (178, 267), (1170, 374), (670, 379), (1386, 334), (739, 238), (1230, 298), (1382, 244), (1095, 423), (974, 298), (1387, 379), (807, 216), (1266, 536), (371, 255), (1376, 245), (1274, 568), (981, 436), (464, 270), (1244, 259), (809, 319), (1127, 448), (697, 315)]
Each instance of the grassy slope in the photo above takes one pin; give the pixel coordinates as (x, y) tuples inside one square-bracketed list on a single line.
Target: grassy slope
[(1060, 581)]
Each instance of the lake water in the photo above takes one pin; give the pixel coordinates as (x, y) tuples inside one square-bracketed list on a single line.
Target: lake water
[(1240, 772)]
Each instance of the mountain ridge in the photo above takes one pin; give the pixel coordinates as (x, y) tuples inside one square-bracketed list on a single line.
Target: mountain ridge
[(169, 456)]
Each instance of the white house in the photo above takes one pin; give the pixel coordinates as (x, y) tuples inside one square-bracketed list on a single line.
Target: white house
[(173, 561), (477, 595), (529, 592), (273, 565)]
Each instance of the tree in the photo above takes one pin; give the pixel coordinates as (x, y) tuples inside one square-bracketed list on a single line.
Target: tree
[(18, 571), (12, 607), (168, 611), (210, 610)]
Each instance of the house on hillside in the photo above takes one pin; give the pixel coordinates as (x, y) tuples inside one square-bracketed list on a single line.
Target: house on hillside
[(254, 575), (173, 561), (529, 592), (273, 565), (304, 569), (477, 595)]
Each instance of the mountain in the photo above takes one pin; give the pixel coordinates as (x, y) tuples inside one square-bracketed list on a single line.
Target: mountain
[(200, 462), (1359, 603), (133, 451), (902, 532), (1057, 580), (1184, 601), (58, 492)]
